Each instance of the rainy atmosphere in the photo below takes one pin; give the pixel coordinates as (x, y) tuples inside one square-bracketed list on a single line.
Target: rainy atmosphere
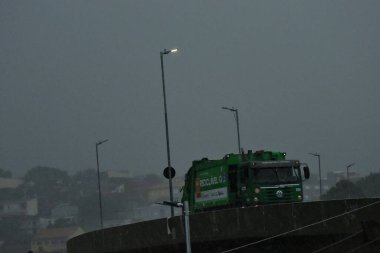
[(189, 126)]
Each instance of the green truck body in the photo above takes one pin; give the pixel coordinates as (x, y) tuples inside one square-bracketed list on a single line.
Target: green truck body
[(243, 179)]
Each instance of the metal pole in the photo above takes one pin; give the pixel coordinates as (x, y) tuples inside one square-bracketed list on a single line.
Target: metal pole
[(236, 115), (99, 189), (238, 131), (167, 129), (320, 174), (185, 213), (187, 226), (348, 174)]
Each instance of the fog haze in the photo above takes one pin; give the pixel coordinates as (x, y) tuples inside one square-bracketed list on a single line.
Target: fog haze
[(304, 76)]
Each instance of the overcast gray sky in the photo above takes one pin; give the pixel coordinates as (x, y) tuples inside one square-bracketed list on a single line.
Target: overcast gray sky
[(303, 74)]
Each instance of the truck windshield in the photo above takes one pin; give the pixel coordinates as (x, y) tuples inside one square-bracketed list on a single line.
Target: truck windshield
[(276, 175)]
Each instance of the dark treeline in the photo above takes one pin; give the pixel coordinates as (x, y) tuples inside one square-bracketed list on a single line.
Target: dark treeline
[(366, 187)]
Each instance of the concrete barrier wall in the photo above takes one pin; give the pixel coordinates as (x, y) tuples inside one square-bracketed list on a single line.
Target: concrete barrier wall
[(215, 231)]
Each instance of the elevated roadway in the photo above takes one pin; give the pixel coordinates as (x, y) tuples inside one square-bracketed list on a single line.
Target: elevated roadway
[(327, 226)]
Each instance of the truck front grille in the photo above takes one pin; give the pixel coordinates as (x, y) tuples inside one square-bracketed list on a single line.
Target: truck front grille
[(277, 194)]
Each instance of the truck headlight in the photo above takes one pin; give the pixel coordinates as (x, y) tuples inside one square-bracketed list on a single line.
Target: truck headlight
[(256, 199)]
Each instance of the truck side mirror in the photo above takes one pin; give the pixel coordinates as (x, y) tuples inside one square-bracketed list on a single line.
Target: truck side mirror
[(306, 172)]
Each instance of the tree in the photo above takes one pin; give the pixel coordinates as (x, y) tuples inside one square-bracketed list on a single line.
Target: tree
[(83, 183), (5, 173), (370, 185), (8, 194), (153, 179), (89, 211), (61, 223), (343, 189), (46, 175), (49, 185)]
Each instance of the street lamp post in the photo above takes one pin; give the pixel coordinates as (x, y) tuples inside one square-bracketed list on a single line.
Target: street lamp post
[(347, 167), (162, 53), (320, 176), (236, 114), (99, 189), (186, 213)]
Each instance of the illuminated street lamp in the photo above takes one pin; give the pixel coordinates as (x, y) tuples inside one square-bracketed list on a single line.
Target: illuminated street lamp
[(99, 190), (169, 167), (236, 114), (320, 176)]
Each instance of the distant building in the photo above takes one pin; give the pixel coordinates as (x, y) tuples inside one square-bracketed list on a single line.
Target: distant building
[(158, 194), (43, 222), (154, 211), (66, 212), (9, 183), (20, 207), (119, 189), (119, 174), (53, 240), (311, 191), (14, 246)]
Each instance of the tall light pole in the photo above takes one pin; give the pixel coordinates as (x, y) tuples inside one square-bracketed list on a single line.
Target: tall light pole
[(320, 176), (236, 114), (347, 167), (162, 53), (99, 189)]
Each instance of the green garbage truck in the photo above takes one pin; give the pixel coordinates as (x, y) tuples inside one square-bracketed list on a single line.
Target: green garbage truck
[(252, 178)]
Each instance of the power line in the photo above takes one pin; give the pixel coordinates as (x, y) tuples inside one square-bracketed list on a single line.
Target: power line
[(338, 242), (300, 228), (364, 245)]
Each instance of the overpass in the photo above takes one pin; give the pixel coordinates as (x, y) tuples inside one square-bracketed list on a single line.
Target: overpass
[(351, 225)]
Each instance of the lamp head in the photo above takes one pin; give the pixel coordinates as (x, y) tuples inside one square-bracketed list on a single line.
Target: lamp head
[(101, 142), (230, 109), (166, 51)]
